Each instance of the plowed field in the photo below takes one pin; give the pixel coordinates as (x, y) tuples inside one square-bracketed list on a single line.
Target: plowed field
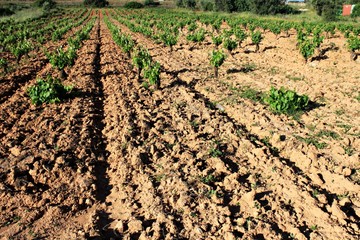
[(190, 160)]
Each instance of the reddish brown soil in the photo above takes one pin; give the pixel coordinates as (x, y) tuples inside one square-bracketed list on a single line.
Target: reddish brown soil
[(119, 161)]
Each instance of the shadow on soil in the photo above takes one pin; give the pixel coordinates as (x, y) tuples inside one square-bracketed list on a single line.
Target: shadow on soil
[(103, 187)]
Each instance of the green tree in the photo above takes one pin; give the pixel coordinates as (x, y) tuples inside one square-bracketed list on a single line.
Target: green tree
[(356, 11), (224, 5), (45, 3), (268, 6), (328, 9), (242, 5), (96, 3)]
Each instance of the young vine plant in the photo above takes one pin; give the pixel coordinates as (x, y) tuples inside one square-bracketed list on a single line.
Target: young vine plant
[(217, 58)]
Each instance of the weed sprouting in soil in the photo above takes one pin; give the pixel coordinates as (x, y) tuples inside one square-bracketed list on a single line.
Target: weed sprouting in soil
[(315, 193), (312, 141), (346, 127), (208, 179), (348, 150), (328, 133), (358, 97), (340, 112), (313, 227), (215, 149)]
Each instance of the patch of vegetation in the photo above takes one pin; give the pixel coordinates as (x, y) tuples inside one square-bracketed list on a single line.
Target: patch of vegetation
[(217, 40), (230, 44), (210, 193), (208, 179), (4, 64), (328, 133), (349, 150), (252, 94), (295, 78), (48, 91), (286, 101), (339, 112), (315, 193), (197, 36), (311, 127), (140, 59), (45, 4), (358, 97), (194, 124), (5, 12), (342, 196), (248, 67), (97, 3), (133, 5), (215, 149), (151, 3), (312, 141), (356, 11), (158, 178), (152, 73), (274, 150), (256, 38), (346, 127), (217, 58)]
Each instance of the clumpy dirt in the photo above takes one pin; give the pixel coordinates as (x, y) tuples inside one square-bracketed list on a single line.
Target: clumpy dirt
[(191, 160)]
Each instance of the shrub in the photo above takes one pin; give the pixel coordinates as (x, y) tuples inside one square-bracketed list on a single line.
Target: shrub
[(46, 4), (133, 5), (141, 59), (180, 3), (48, 91), (186, 3), (6, 12), (230, 44), (96, 3), (329, 13), (256, 39), (328, 9), (263, 7), (242, 5), (356, 11), (190, 3), (151, 3), (197, 36), (169, 39), (224, 5), (217, 40), (217, 58), (207, 5), (286, 101), (152, 73)]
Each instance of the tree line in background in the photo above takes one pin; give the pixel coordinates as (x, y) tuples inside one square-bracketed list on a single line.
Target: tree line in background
[(256, 6), (328, 9)]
